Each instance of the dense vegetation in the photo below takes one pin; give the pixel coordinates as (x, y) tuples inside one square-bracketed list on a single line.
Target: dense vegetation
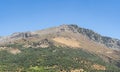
[(51, 59)]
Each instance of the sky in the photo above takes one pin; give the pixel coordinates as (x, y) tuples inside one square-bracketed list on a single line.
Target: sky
[(102, 16)]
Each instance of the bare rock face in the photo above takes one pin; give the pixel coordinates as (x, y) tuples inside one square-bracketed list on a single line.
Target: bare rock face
[(44, 43), (108, 41), (69, 28), (16, 36), (21, 35)]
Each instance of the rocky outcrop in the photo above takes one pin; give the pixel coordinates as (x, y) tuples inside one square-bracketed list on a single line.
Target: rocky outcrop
[(40, 44), (70, 28), (108, 41), (21, 35), (15, 36)]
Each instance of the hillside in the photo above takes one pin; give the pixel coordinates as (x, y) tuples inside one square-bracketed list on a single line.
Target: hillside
[(66, 48), (53, 59)]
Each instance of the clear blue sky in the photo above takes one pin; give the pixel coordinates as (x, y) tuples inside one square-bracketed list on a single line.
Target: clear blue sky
[(102, 16)]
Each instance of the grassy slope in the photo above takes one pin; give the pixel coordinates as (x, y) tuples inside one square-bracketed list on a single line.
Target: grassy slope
[(52, 59)]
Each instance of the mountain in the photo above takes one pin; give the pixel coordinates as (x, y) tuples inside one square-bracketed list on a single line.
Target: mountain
[(107, 41), (66, 48)]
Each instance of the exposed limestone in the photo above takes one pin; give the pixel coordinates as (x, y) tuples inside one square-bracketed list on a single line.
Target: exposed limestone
[(21, 34), (41, 44), (77, 70), (108, 41), (98, 67)]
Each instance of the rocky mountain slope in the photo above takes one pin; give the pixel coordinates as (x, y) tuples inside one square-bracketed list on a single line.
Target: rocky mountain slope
[(107, 41), (65, 36)]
